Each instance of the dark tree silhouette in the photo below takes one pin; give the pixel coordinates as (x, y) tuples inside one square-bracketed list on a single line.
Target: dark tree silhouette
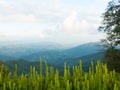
[(111, 26)]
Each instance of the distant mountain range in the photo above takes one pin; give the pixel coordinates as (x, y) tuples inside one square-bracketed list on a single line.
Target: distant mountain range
[(52, 53), (84, 49), (24, 65), (17, 50)]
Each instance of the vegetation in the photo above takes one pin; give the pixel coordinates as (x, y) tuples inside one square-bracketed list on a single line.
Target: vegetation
[(74, 76), (23, 65), (95, 79), (111, 26)]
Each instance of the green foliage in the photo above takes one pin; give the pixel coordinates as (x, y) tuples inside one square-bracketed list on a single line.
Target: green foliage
[(111, 24), (112, 58), (112, 54), (95, 79)]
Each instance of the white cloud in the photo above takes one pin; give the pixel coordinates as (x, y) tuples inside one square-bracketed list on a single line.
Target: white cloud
[(29, 10), (23, 35), (18, 18), (79, 29), (52, 19), (6, 8), (89, 36), (4, 4), (72, 23), (1, 35), (1, 17)]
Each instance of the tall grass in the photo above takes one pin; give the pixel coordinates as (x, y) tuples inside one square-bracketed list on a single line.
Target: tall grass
[(95, 79)]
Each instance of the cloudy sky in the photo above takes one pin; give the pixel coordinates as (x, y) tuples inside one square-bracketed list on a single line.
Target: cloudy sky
[(63, 21)]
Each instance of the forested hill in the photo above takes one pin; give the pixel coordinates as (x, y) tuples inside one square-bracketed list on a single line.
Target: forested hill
[(25, 55), (50, 51)]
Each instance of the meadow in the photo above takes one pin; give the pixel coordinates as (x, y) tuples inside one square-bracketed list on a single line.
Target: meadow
[(97, 78)]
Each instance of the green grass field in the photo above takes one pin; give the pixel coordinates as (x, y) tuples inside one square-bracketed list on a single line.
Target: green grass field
[(97, 78)]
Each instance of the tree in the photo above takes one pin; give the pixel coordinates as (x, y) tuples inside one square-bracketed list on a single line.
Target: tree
[(112, 54), (112, 58), (111, 24)]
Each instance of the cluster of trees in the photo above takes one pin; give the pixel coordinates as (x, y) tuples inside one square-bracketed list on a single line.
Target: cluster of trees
[(111, 26), (95, 79)]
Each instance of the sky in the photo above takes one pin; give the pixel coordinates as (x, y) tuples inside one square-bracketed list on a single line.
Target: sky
[(69, 22)]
